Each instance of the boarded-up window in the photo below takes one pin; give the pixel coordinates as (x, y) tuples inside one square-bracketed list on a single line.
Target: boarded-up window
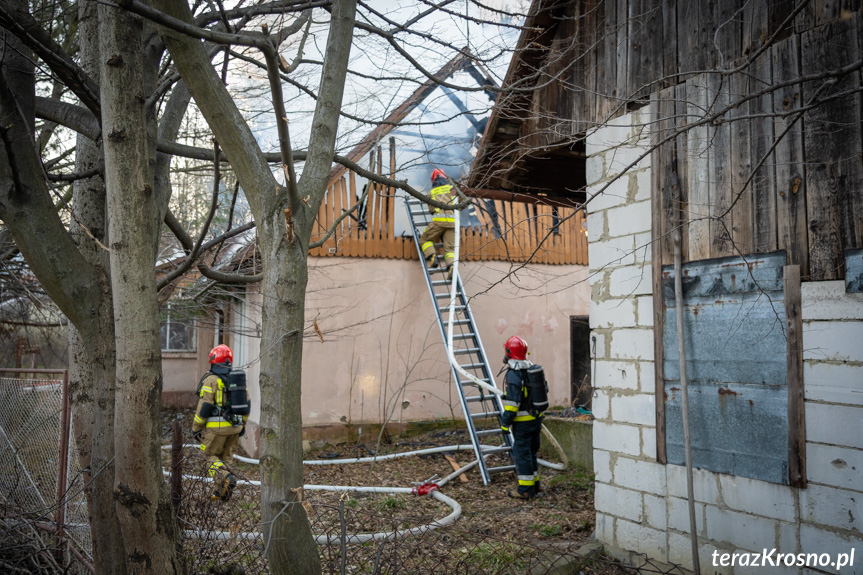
[(734, 311)]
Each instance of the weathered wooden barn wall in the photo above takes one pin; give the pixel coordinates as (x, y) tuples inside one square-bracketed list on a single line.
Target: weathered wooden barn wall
[(759, 115), (758, 161)]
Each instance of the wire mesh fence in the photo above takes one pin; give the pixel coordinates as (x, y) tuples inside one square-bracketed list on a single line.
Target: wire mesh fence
[(44, 507)]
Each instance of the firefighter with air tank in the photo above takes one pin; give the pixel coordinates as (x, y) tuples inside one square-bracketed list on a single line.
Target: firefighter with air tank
[(525, 399), (220, 418), (442, 224)]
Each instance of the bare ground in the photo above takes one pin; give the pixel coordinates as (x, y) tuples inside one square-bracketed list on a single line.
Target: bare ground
[(485, 539)]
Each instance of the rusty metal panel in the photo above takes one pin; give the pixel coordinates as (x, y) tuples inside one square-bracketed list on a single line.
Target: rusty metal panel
[(854, 271), (736, 365)]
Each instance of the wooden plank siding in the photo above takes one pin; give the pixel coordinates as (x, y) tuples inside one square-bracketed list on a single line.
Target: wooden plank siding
[(528, 229), (765, 173), (833, 145)]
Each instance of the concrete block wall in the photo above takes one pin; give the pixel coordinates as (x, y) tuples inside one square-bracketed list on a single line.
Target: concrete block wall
[(631, 487), (641, 504)]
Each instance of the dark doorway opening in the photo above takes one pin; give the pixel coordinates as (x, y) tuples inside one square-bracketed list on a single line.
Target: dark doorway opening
[(580, 384)]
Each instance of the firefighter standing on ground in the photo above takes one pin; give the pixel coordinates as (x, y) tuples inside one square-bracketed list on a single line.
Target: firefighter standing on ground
[(442, 224), (215, 428), (520, 415)]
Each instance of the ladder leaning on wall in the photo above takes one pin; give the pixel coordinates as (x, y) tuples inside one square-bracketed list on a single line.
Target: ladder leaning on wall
[(482, 408)]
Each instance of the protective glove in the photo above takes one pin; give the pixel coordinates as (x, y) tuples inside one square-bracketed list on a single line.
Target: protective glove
[(198, 436)]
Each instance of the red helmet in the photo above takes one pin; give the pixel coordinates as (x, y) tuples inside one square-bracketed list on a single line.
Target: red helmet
[(515, 348), (437, 173), (221, 354)]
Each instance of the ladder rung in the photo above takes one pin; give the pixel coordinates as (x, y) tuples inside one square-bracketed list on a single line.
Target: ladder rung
[(455, 307), (501, 468), (420, 213), (466, 351), (463, 336), (501, 449), (440, 282), (475, 398), (485, 414), (472, 366), (461, 322), (446, 294), (471, 382), (489, 431)]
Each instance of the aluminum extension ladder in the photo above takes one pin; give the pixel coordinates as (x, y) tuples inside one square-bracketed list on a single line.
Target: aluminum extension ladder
[(482, 408)]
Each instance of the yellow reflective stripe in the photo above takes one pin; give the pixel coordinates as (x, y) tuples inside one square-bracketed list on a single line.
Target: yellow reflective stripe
[(215, 467), (521, 418), (199, 419), (221, 424), (526, 482), (510, 408), (449, 255), (442, 219), (206, 389), (427, 245)]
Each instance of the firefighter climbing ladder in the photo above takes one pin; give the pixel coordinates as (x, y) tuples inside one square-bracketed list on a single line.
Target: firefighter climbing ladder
[(481, 407)]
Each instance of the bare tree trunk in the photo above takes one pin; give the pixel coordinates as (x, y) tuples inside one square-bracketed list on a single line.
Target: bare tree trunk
[(144, 511), (284, 254), (92, 349), (290, 546)]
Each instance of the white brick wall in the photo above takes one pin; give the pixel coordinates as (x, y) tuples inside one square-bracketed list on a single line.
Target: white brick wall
[(619, 438), (655, 511), (741, 530), (615, 194), (836, 466), (631, 281), (643, 539), (828, 301), (705, 484), (835, 424), (628, 219), (612, 313), (833, 382), (613, 252), (640, 475), (833, 340), (632, 344), (832, 507), (757, 497), (678, 515), (618, 502), (641, 505), (639, 409), (818, 540), (616, 374), (602, 466)]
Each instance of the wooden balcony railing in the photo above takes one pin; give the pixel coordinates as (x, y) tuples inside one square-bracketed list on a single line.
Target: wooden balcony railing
[(513, 231)]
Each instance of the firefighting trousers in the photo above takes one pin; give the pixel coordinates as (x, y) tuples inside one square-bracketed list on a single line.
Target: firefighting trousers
[(525, 446), (433, 232), (219, 449)]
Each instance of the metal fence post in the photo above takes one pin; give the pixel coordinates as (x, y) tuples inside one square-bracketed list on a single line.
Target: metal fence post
[(176, 466), (62, 475)]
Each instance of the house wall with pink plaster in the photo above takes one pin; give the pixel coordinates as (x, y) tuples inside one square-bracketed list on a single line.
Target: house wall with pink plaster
[(382, 356)]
